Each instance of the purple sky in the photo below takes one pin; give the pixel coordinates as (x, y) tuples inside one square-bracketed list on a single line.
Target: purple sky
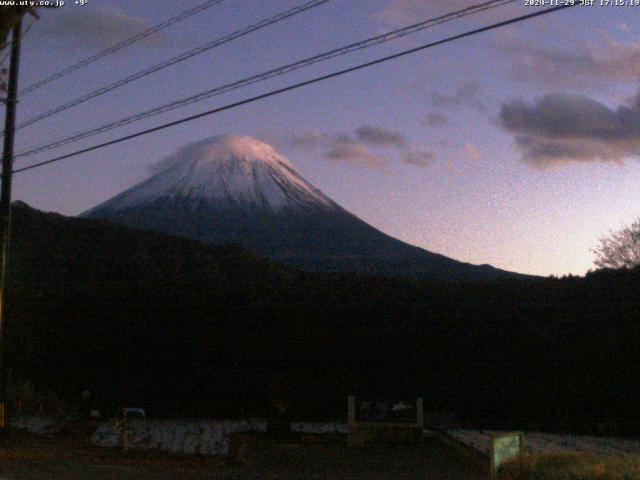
[(517, 147)]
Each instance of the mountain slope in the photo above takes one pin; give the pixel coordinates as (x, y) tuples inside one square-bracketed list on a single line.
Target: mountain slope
[(182, 328), (239, 190), (229, 172)]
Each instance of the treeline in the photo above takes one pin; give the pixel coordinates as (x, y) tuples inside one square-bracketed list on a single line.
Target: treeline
[(187, 329)]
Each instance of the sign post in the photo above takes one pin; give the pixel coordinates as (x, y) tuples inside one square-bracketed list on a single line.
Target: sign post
[(505, 447), (386, 421)]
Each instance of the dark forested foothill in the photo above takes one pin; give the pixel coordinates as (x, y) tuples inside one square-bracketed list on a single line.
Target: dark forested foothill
[(186, 329)]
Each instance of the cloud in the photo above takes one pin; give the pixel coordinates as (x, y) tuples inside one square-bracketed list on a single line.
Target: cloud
[(347, 149), (308, 138), (189, 151), (603, 61), (339, 147), (435, 120), (566, 127), (418, 157), (472, 152), (359, 147), (379, 136), (97, 27), (467, 95)]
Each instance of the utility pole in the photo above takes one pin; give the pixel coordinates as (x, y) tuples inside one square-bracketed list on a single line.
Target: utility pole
[(5, 205)]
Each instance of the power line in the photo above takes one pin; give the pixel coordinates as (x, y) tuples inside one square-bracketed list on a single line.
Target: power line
[(119, 46), (172, 61), (376, 40), (270, 74), (298, 85)]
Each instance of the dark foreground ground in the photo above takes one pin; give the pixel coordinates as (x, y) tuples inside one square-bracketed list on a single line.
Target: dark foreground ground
[(71, 457)]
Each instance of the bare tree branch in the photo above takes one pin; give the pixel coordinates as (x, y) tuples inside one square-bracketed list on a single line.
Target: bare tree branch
[(619, 249)]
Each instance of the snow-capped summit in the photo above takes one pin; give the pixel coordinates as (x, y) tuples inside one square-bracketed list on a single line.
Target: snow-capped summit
[(233, 171), (236, 189)]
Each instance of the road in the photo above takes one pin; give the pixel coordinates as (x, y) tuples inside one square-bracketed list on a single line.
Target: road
[(27, 457)]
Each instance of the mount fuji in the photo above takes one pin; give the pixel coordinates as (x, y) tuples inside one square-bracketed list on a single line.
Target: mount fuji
[(236, 189)]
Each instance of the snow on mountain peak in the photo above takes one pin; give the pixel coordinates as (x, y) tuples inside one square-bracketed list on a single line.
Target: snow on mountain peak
[(227, 148), (226, 171)]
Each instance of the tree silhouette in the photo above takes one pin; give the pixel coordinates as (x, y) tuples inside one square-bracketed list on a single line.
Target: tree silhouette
[(620, 248), (9, 16)]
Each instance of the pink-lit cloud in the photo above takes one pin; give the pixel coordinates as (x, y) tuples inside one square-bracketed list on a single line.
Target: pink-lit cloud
[(568, 127), (472, 152), (362, 147), (346, 149), (418, 157)]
